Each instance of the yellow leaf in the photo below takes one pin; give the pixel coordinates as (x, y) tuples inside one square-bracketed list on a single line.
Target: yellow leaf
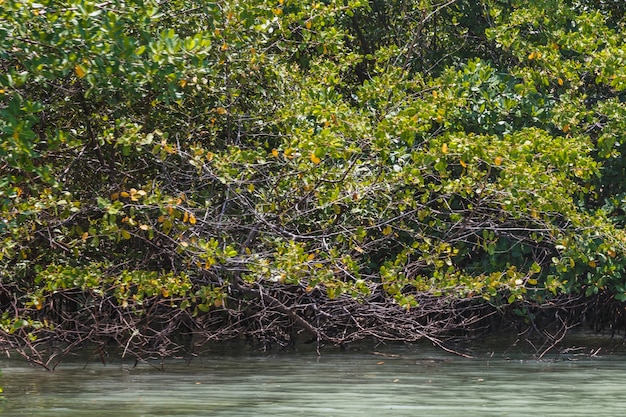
[(308, 24), (224, 46), (592, 263), (444, 148), (566, 128), (560, 81), (532, 55), (161, 219), (182, 82), (80, 71), (115, 196), (210, 156), (315, 159), (185, 217), (221, 110), (165, 292), (84, 236), (331, 292), (275, 153), (463, 164), (125, 234), (124, 194), (498, 160), (192, 219), (278, 11), (310, 257), (387, 230)]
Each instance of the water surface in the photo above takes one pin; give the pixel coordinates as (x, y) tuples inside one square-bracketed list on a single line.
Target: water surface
[(405, 381)]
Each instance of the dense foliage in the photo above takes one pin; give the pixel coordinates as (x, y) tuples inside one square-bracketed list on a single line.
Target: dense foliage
[(253, 168)]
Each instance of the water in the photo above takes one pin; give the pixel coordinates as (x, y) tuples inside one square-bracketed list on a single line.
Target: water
[(407, 381)]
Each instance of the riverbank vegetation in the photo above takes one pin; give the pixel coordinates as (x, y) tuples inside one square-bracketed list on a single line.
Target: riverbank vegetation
[(178, 172)]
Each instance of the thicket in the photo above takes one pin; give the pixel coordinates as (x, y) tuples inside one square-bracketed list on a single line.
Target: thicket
[(178, 172)]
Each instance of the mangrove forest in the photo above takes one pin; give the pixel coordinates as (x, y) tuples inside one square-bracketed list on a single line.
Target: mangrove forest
[(175, 173)]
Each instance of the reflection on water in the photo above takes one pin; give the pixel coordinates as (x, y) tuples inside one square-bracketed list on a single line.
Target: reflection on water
[(409, 381)]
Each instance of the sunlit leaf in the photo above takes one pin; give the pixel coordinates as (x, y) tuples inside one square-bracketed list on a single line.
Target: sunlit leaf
[(315, 159), (79, 71)]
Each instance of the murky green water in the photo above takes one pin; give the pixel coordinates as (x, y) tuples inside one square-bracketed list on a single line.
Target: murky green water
[(418, 382)]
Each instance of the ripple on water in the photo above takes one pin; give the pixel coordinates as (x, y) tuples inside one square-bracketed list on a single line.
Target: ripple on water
[(412, 383)]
